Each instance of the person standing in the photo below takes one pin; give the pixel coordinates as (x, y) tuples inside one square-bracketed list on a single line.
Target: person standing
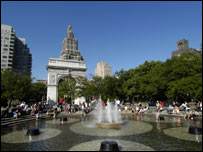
[(157, 105), (83, 108), (157, 115), (60, 101)]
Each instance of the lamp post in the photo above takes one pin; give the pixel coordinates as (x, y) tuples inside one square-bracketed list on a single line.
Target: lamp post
[(70, 91), (71, 100)]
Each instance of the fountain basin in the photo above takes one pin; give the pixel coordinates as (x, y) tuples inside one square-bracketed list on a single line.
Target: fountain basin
[(33, 132), (109, 125)]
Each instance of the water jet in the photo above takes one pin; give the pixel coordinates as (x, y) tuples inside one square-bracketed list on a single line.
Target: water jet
[(109, 116)]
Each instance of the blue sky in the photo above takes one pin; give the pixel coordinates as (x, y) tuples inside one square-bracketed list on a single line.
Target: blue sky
[(124, 34)]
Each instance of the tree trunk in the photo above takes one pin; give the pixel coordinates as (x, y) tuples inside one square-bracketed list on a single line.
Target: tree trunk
[(9, 103)]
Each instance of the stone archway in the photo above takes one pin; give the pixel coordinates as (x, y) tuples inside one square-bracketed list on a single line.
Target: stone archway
[(58, 69)]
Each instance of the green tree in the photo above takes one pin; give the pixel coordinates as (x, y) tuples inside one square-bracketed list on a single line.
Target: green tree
[(14, 86), (96, 85), (186, 88), (69, 88), (37, 91), (85, 88), (109, 88)]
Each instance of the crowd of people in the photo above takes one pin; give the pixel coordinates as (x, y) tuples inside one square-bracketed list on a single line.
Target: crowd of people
[(173, 108), (23, 109), (192, 113), (138, 108), (70, 108)]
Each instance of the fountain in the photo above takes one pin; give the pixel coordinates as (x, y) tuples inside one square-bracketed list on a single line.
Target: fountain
[(109, 116)]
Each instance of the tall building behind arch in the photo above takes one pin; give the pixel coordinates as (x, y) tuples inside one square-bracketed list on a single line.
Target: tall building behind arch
[(70, 48), (183, 47), (103, 69)]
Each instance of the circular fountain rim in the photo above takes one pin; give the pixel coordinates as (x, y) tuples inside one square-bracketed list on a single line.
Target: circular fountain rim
[(108, 124)]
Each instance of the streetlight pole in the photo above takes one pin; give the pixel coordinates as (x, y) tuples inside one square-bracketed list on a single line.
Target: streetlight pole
[(70, 91)]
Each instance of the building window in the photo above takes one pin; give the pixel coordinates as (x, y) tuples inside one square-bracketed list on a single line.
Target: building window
[(6, 38), (7, 31), (4, 61), (6, 34), (5, 41), (4, 52), (4, 56), (3, 65)]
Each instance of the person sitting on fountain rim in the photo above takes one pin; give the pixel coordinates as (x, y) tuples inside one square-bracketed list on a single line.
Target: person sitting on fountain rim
[(16, 114), (176, 109), (184, 105), (133, 109), (199, 106), (140, 105), (140, 111), (194, 114), (145, 108), (137, 109), (126, 108), (161, 104), (187, 113)]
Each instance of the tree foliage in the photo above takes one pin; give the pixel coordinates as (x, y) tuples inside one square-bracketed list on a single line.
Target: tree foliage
[(14, 86), (68, 88), (37, 91)]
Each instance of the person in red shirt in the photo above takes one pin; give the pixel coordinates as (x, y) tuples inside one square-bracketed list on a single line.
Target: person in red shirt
[(39, 106), (61, 103), (161, 103), (162, 106), (102, 103), (60, 100)]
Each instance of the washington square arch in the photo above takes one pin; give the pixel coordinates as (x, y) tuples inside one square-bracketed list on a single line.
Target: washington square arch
[(69, 63)]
